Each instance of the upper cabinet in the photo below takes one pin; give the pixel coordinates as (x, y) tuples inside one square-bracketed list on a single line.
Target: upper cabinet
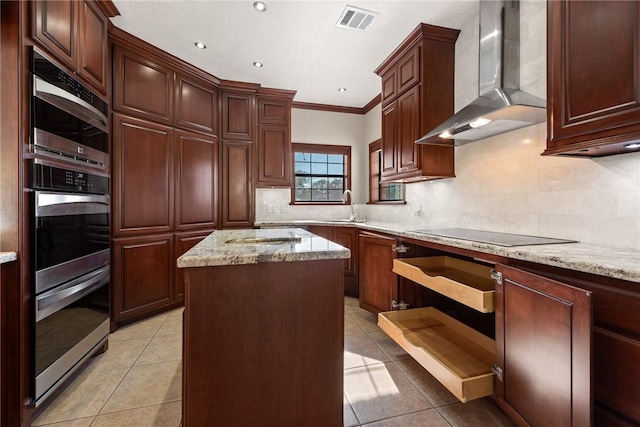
[(75, 32), (196, 105), (272, 152), (417, 95), (237, 114), (143, 87), (593, 89)]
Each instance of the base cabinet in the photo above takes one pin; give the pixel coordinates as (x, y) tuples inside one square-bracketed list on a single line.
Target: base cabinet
[(347, 237), (142, 275), (378, 283), (182, 243), (543, 340)]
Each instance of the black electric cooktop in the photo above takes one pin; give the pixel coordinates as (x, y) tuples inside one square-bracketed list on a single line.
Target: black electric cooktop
[(491, 237)]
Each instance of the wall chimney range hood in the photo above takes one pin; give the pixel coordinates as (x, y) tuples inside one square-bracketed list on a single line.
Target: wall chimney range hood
[(501, 106)]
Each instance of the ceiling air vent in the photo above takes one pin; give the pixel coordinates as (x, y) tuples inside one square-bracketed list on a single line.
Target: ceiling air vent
[(355, 18)]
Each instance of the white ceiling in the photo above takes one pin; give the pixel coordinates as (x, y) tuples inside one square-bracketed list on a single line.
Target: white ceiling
[(297, 41)]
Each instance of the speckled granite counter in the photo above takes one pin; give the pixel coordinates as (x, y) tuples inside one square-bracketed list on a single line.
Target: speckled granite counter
[(603, 261), (7, 257), (234, 247)]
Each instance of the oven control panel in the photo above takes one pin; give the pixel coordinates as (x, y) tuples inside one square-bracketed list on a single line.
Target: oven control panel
[(52, 178)]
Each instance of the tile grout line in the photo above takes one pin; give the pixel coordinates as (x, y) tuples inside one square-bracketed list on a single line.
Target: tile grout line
[(127, 372)]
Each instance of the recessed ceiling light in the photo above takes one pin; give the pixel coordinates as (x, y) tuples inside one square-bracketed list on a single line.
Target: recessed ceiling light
[(342, 89), (200, 45), (632, 145), (258, 64), (260, 6)]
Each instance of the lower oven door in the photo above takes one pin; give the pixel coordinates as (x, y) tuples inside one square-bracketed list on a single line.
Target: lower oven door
[(71, 321)]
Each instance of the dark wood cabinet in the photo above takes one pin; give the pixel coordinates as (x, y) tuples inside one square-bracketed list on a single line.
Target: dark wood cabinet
[(377, 282), (75, 32), (347, 237), (543, 350), (54, 27), (142, 275), (273, 156), (142, 177), (237, 185), (417, 95), (593, 91), (195, 181), (196, 105), (182, 243), (143, 87), (237, 115)]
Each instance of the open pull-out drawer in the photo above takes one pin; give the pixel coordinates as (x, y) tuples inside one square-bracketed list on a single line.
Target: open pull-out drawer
[(466, 282), (456, 355)]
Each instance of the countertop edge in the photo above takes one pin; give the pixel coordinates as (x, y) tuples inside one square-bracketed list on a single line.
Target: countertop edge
[(572, 256), (8, 257)]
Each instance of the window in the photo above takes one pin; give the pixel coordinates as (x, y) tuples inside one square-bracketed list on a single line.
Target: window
[(322, 173), (381, 191)]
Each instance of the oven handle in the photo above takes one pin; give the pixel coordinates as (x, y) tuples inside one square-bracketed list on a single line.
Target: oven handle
[(67, 101), (55, 299), (58, 204)]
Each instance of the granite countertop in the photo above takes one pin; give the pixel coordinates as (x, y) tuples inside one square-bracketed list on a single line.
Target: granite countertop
[(8, 257), (610, 262), (234, 247)]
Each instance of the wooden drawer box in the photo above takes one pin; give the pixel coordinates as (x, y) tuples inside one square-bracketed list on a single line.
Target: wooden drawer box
[(466, 282), (456, 355)]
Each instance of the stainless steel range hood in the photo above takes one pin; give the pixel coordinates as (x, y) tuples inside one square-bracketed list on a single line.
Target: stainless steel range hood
[(501, 106)]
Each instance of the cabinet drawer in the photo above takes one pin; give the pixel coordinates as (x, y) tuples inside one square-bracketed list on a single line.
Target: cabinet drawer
[(466, 282), (456, 355)]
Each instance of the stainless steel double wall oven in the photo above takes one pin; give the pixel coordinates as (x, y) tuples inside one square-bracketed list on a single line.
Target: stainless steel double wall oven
[(70, 212)]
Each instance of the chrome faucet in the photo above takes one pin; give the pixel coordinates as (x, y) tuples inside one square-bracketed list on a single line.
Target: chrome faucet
[(352, 217)]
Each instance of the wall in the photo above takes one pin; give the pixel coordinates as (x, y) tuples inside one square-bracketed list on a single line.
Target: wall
[(320, 127), (503, 184)]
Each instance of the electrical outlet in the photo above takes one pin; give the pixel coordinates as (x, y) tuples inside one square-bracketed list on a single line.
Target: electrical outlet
[(271, 208), (284, 208)]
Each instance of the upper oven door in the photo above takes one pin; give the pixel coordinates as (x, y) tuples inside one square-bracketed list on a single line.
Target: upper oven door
[(69, 121), (71, 236)]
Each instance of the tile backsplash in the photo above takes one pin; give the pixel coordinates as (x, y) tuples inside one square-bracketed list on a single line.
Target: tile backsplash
[(504, 184)]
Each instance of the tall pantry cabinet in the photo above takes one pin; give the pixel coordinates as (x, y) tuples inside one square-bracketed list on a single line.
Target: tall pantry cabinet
[(165, 173)]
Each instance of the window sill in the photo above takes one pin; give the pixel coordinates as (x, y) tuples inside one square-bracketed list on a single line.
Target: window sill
[(317, 203), (389, 202)]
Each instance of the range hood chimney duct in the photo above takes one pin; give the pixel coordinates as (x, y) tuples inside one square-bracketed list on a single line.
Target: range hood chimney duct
[(501, 106)]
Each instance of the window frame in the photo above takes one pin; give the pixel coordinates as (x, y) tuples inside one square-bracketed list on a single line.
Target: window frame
[(320, 149), (374, 176)]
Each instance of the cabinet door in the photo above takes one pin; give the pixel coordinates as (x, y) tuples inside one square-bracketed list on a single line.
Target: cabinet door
[(237, 117), (593, 88), (142, 177), (142, 87), (142, 275), (196, 180), (543, 340), (237, 187), (408, 72), (389, 86), (54, 28), (273, 156), (196, 105), (348, 237), (389, 141), (274, 111), (183, 242), (92, 44), (378, 282), (408, 131)]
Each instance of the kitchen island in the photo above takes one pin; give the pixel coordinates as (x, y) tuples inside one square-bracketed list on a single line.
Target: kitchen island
[(263, 329)]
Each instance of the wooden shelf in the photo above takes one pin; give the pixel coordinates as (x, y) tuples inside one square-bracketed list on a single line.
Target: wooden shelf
[(456, 355), (466, 282)]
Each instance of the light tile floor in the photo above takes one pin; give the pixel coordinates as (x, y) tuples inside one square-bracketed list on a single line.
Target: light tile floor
[(137, 382)]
